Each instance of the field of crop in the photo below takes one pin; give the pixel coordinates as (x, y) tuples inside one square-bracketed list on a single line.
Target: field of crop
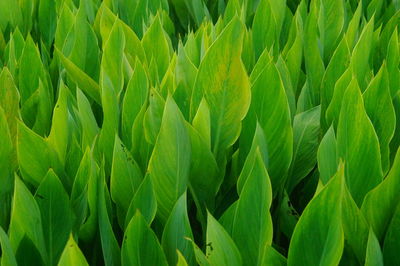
[(199, 132)]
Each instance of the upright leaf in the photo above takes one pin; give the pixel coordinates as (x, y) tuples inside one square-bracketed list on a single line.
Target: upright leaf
[(176, 230), (358, 145), (72, 255), (144, 200), (319, 228), (270, 108), (330, 22), (361, 54), (125, 178), (252, 226), (7, 256), (109, 244), (374, 254), (391, 243), (26, 227), (379, 108), (223, 81), (169, 164), (53, 202), (156, 46), (221, 250), (136, 95), (140, 246), (111, 61), (327, 156), (306, 130), (380, 203), (35, 155)]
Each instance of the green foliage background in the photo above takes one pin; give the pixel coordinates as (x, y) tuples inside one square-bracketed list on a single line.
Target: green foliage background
[(199, 132)]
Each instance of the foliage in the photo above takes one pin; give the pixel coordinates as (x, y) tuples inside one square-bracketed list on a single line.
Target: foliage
[(199, 132)]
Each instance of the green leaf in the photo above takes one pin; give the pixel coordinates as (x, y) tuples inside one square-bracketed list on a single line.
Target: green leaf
[(9, 101), (111, 114), (306, 130), (6, 166), (10, 13), (84, 82), (109, 244), (47, 20), (136, 95), (72, 255), (379, 108), (181, 259), (355, 227), (111, 74), (327, 156), (353, 27), (319, 228), (35, 155), (144, 200), (223, 81), (221, 250), (267, 25), (252, 226), (330, 22), (333, 110), (201, 258), (125, 178), (60, 131), (273, 257), (153, 116), (313, 61), (86, 183), (26, 227), (176, 230), (79, 192), (86, 117), (270, 108), (259, 144), (156, 46), (294, 56), (337, 66), (7, 256), (204, 178), (30, 70), (140, 246), (141, 149), (380, 203), (54, 206), (361, 55), (81, 45), (169, 164), (374, 254), (391, 243), (65, 22), (357, 145), (202, 124), (392, 57)]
